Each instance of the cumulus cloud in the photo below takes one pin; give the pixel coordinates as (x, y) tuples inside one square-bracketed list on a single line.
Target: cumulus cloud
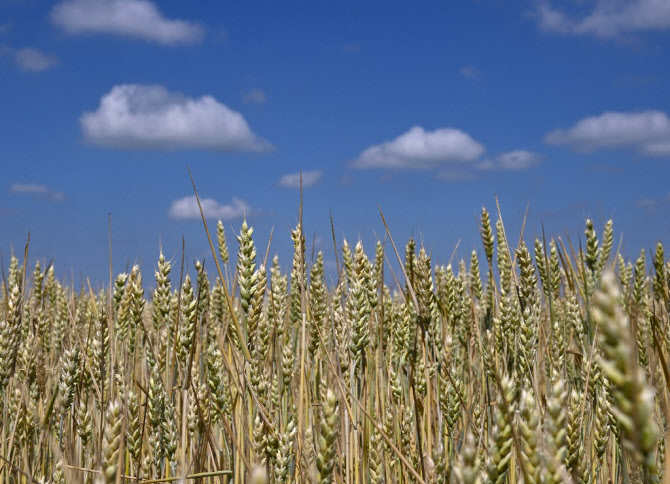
[(292, 180), (37, 191), (186, 208), (421, 149), (135, 116), (131, 18), (515, 160), (648, 131), (608, 18), (255, 96)]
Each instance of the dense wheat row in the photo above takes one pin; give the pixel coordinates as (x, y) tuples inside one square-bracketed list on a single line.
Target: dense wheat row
[(550, 368)]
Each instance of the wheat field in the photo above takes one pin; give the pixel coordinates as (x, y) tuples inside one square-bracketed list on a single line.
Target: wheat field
[(532, 361)]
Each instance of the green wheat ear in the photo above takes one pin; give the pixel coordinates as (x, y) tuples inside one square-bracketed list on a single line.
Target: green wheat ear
[(317, 304), (329, 430), (221, 239), (529, 425), (633, 398), (487, 234), (112, 442), (246, 266)]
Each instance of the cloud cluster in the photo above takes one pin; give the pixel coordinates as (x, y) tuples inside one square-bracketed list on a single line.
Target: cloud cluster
[(37, 191), (130, 18), (421, 149), (292, 180), (134, 116), (453, 154), (186, 208), (608, 18), (648, 131)]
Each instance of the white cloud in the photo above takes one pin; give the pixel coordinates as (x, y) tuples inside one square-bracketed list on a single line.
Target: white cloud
[(186, 208), (657, 148), (36, 190), (608, 18), (420, 149), (651, 204), (292, 180), (255, 96), (647, 203), (150, 117), (29, 59), (469, 71), (132, 18), (350, 48), (552, 20), (648, 131), (515, 160)]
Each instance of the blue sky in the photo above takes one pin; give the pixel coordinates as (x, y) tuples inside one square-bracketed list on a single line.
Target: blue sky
[(427, 109)]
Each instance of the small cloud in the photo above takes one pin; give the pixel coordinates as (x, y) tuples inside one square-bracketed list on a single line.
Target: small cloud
[(421, 149), (255, 96), (37, 191), (552, 20), (4, 28), (607, 19), (516, 160), (292, 180), (186, 208), (647, 203), (346, 180), (650, 204), (129, 18), (133, 116), (657, 148), (350, 48), (469, 71), (28, 58), (220, 35), (33, 60), (634, 80), (648, 131)]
